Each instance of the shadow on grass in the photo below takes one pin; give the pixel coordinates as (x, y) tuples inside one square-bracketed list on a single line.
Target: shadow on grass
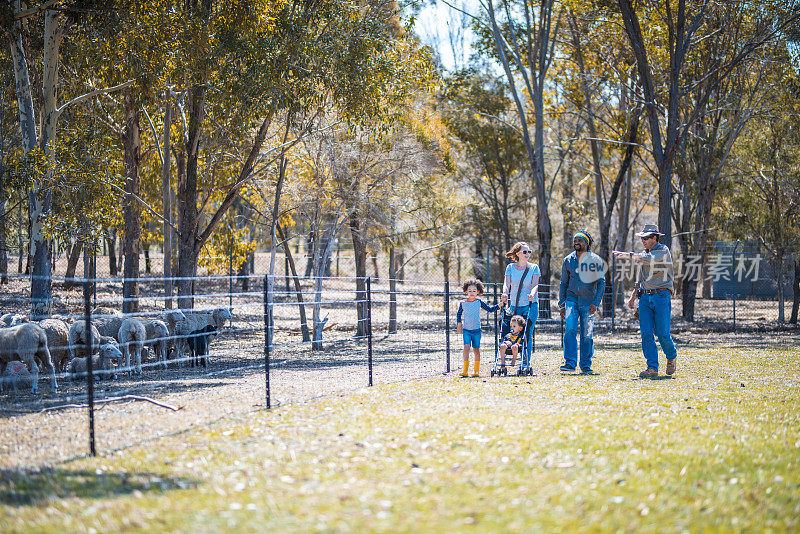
[(25, 488)]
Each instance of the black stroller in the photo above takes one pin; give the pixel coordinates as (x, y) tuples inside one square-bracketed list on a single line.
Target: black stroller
[(524, 368)]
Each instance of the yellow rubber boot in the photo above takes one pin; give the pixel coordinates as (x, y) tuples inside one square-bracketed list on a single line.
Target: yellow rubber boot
[(465, 372), (477, 368)]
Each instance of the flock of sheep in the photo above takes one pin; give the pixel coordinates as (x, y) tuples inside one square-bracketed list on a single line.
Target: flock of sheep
[(118, 343)]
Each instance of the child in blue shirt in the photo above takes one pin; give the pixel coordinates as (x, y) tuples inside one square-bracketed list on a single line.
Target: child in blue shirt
[(469, 311), (513, 340)]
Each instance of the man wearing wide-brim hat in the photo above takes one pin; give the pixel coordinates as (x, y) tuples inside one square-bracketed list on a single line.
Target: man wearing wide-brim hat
[(656, 287)]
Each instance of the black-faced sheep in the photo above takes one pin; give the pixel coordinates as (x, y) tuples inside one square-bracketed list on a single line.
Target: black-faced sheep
[(131, 336), (198, 345), (27, 342)]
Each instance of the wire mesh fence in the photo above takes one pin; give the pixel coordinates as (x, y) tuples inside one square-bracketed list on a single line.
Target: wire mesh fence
[(335, 335), (245, 341)]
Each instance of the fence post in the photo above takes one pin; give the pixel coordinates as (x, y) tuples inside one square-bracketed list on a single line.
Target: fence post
[(447, 324), (230, 281), (613, 287), (286, 273), (87, 290), (369, 328), (267, 336), (733, 280), (94, 274), (494, 325)]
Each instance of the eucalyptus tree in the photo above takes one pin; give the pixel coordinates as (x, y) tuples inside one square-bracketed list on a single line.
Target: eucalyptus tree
[(479, 112), (44, 24), (522, 36), (128, 47), (761, 199), (664, 48), (244, 64), (600, 92)]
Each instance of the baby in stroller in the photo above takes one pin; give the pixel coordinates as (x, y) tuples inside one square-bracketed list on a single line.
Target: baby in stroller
[(512, 342)]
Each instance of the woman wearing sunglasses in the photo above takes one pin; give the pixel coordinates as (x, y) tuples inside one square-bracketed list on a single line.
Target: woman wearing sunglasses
[(520, 293)]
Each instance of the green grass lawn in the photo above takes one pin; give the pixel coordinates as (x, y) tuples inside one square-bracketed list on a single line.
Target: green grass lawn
[(715, 448)]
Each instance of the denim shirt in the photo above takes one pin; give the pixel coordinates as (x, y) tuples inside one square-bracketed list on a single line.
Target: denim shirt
[(575, 290), (656, 268)]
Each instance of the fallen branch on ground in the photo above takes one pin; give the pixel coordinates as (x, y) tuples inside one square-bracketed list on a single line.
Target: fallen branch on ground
[(114, 399)]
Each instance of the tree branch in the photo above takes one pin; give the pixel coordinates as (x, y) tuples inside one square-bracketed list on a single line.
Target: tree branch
[(90, 94)]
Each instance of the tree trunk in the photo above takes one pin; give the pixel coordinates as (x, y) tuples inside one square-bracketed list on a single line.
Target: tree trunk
[(297, 288), (166, 196), (4, 219), (393, 292), (567, 196), (795, 292), (40, 195), (781, 296), (188, 214), (321, 254), (110, 236), (360, 257), (20, 241), (132, 147), (310, 246), (534, 76), (622, 230), (72, 264), (148, 267)]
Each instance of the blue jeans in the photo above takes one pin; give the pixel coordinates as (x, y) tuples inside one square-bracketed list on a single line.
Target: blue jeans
[(655, 313), (531, 311), (472, 338), (574, 315)]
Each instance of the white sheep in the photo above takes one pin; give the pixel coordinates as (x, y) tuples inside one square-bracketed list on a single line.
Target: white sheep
[(103, 310), (198, 320), (216, 317), (13, 319), (156, 338), (101, 363), (27, 342), (77, 339), (16, 373), (178, 327), (131, 337), (108, 325), (57, 341)]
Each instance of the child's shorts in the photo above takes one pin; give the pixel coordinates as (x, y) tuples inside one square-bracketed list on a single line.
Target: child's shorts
[(472, 337)]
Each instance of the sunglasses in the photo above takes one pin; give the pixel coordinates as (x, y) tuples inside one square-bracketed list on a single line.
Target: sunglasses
[(526, 252), (648, 237)]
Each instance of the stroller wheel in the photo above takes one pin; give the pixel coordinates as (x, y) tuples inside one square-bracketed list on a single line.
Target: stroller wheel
[(520, 372), (529, 371), (491, 373), (505, 372)]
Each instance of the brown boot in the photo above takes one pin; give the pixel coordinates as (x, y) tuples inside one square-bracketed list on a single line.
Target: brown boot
[(649, 373), (671, 366)]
